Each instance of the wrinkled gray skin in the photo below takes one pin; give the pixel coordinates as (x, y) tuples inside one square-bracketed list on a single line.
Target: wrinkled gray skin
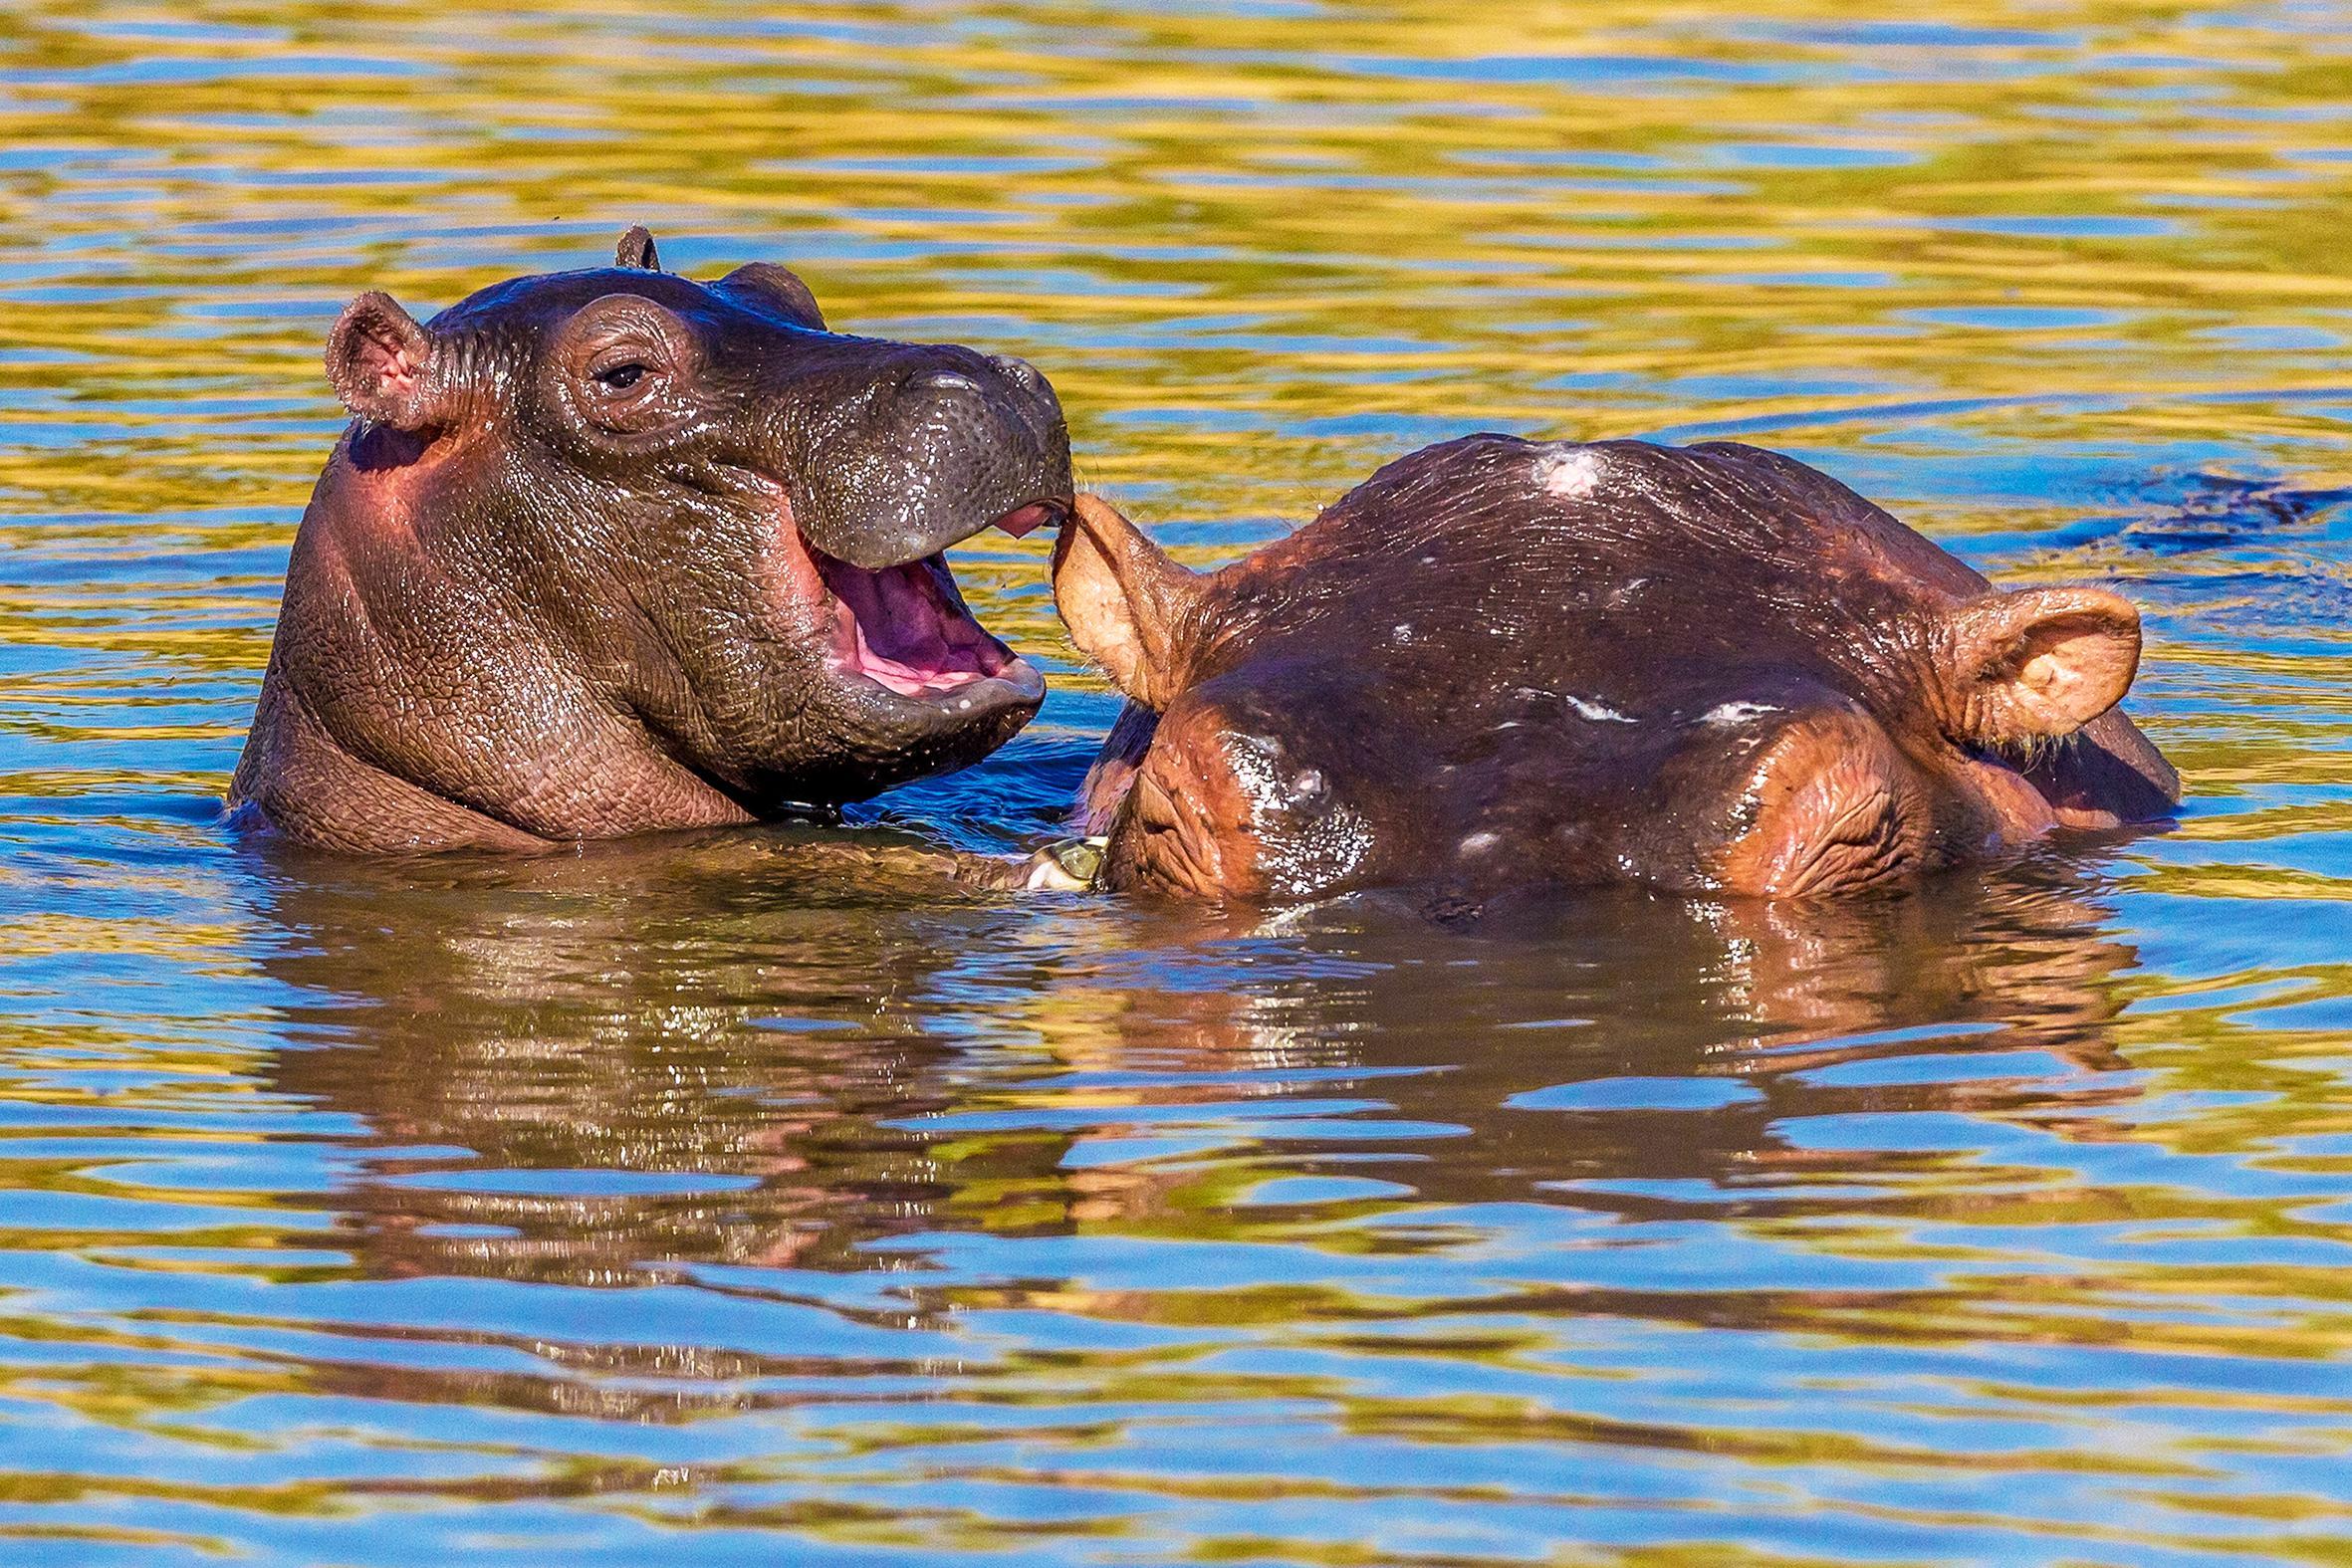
[(588, 565)]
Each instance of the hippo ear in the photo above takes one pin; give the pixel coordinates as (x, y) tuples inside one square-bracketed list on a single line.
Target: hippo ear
[(637, 251), (1128, 607), (2040, 663), (778, 290), (381, 363)]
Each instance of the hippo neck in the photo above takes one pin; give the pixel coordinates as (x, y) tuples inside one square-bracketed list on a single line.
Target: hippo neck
[(304, 782), (434, 713)]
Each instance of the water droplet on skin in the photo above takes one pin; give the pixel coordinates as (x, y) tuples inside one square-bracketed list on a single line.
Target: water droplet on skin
[(1732, 712), (1597, 711)]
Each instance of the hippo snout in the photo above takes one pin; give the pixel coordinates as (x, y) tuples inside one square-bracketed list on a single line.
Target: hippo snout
[(947, 445)]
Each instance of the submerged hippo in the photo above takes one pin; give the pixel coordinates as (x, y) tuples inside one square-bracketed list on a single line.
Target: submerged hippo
[(612, 550), (1502, 664)]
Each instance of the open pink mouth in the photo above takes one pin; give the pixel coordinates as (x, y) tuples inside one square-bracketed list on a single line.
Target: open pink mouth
[(905, 627)]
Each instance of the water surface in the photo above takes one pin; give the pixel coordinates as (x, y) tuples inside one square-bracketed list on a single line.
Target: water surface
[(668, 1198)]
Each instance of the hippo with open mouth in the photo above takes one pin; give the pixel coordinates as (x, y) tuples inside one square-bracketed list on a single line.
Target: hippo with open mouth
[(1503, 664), (611, 550)]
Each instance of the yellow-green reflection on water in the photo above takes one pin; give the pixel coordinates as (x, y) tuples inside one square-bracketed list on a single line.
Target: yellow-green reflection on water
[(672, 1199)]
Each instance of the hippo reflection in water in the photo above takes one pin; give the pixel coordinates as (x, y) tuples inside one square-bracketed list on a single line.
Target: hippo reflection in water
[(612, 550), (1501, 664), (478, 1007)]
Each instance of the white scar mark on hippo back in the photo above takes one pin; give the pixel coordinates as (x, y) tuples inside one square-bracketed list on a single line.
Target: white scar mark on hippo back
[(1570, 475), (1584, 708), (1732, 712), (1597, 711)]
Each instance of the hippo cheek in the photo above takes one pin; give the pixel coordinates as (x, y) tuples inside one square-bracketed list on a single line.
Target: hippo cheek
[(1830, 807), (1224, 809), (1186, 825)]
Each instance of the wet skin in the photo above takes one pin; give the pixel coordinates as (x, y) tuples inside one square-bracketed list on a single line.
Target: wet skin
[(612, 550), (1501, 664)]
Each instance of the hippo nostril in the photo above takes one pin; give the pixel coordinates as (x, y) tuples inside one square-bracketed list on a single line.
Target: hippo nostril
[(1019, 371)]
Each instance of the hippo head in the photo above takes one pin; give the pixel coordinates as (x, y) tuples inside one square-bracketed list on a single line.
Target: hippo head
[(1708, 670), (612, 550)]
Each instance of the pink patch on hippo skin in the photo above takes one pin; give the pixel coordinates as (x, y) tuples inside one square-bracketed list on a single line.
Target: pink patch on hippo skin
[(383, 488), (793, 564)]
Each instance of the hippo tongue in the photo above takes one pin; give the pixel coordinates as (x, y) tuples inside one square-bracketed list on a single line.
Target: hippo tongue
[(1023, 521)]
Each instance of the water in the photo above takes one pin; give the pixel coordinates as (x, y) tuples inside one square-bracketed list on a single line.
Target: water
[(668, 1202)]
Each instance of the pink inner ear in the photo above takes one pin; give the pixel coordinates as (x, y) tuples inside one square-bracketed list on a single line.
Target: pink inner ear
[(379, 362), (390, 364), (2079, 669), (2043, 661)]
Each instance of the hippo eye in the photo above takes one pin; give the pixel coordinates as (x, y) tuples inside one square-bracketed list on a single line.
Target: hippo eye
[(620, 378)]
